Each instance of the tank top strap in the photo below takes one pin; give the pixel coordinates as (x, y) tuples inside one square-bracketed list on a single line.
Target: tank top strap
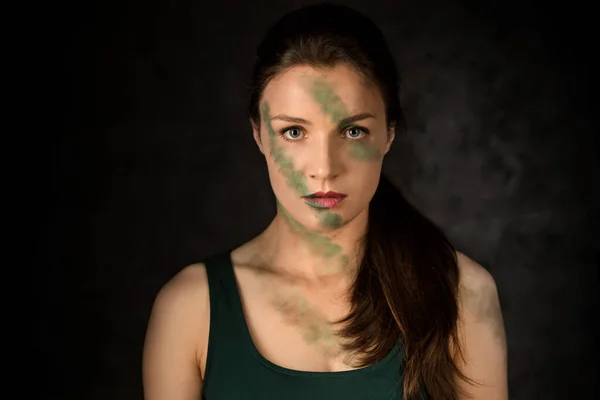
[(223, 288), (236, 370), (226, 342)]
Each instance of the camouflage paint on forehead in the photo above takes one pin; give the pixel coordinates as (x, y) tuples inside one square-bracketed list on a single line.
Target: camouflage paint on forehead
[(294, 178), (331, 104)]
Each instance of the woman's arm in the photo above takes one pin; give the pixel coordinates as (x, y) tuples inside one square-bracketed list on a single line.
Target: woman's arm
[(481, 333), (177, 330)]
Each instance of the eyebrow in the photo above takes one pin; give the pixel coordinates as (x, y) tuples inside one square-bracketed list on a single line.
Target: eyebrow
[(342, 123)]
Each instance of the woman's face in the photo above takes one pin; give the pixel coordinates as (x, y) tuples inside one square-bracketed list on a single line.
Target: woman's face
[(323, 130)]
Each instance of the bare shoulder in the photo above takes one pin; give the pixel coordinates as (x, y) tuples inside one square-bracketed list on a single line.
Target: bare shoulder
[(472, 275), (181, 309), (477, 293), (187, 284), (481, 332), (186, 294), (175, 337)]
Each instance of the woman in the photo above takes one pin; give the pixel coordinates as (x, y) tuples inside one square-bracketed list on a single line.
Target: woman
[(349, 293)]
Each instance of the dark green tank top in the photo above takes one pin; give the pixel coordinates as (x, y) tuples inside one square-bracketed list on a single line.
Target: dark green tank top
[(236, 370)]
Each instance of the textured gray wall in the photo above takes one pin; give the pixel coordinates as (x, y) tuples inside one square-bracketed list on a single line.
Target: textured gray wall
[(158, 169)]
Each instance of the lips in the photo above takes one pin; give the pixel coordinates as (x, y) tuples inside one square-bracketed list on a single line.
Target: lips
[(329, 194), (324, 200)]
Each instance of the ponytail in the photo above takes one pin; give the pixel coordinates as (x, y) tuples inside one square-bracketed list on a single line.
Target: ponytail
[(408, 277)]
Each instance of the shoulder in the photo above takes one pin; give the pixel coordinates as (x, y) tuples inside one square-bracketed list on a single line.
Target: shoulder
[(176, 331), (182, 306), (185, 292), (482, 337), (477, 291), (472, 275)]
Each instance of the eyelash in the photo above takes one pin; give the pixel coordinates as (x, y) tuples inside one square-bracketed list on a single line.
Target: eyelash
[(282, 132)]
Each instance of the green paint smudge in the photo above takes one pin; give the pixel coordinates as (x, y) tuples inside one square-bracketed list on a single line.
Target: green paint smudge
[(331, 104), (294, 178), (363, 151), (315, 329), (345, 261), (330, 220), (318, 243)]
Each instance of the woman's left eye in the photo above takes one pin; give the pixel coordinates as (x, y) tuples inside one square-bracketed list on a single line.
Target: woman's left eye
[(355, 132), (292, 134)]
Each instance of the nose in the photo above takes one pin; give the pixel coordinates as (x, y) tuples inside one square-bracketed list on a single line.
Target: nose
[(324, 162)]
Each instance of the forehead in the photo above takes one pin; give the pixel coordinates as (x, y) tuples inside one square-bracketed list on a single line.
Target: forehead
[(301, 89)]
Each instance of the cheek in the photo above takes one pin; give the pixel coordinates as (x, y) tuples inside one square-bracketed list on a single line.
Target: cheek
[(365, 177), (282, 171), (365, 151)]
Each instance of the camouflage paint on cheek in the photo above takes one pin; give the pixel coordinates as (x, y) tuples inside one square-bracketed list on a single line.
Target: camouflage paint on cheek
[(344, 261), (364, 151), (294, 178)]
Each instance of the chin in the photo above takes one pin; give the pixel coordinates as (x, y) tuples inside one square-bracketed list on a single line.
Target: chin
[(307, 219)]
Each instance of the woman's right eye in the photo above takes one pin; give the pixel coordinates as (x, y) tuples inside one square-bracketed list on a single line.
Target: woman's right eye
[(292, 134)]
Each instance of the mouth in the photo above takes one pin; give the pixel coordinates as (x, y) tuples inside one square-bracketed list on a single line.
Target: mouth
[(322, 200)]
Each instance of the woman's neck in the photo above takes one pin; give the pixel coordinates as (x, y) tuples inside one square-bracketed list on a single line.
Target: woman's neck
[(313, 256)]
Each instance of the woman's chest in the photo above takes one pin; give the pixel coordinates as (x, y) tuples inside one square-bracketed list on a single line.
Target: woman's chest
[(293, 327)]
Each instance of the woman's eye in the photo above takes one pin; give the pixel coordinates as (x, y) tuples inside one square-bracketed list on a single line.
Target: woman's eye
[(292, 134), (354, 132)]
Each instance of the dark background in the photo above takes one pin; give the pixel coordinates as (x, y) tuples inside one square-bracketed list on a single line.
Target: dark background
[(152, 167)]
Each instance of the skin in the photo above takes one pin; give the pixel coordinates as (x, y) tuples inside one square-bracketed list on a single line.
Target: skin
[(332, 105), (321, 245), (314, 94), (352, 166), (294, 178), (307, 296), (481, 332), (316, 331)]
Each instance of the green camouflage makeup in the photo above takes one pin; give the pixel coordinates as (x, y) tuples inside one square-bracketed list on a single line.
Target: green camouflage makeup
[(331, 104), (363, 151), (315, 329), (320, 244), (330, 220), (294, 178)]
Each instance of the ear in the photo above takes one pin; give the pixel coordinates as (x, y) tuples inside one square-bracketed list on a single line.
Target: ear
[(256, 134), (390, 138)]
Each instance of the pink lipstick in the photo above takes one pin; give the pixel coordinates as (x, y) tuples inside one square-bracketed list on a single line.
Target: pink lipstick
[(324, 200)]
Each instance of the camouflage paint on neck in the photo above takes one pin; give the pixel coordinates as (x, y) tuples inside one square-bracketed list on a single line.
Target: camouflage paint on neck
[(320, 244), (332, 105)]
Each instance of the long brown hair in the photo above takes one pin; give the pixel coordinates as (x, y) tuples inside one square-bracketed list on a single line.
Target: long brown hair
[(408, 276)]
